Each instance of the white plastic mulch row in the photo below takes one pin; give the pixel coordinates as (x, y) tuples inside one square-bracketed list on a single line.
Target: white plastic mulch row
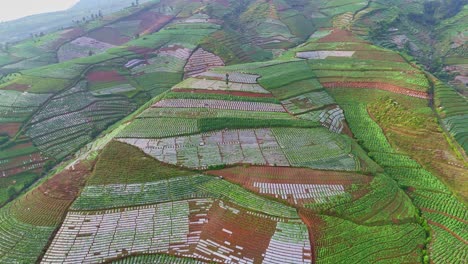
[(218, 85), (333, 119), (289, 244), (221, 104), (254, 146), (316, 192), (93, 238), (323, 54), (233, 76)]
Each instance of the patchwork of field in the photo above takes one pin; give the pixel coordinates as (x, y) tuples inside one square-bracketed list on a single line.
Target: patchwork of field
[(279, 146), (296, 185), (201, 61), (318, 152), (206, 229), (63, 125), (82, 47)]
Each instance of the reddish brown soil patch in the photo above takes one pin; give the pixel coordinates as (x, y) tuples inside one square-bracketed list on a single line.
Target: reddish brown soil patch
[(75, 32), (105, 76), (17, 87), (379, 86), (21, 164), (47, 204), (341, 35), (66, 184), (247, 175), (65, 36), (109, 35), (152, 22), (250, 232), (346, 130), (233, 93), (10, 128), (314, 224)]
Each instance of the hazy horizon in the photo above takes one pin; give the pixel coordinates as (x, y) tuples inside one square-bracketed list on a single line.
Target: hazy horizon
[(12, 10)]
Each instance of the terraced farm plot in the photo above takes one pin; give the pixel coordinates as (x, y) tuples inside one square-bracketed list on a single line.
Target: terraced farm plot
[(442, 217), (201, 61), (233, 77), (21, 242), (320, 55), (217, 85), (117, 89), (160, 63), (257, 146), (316, 148), (30, 160), (453, 109), (156, 258), (216, 148), (190, 228), (332, 118), (16, 106), (368, 244), (220, 104), (210, 113), (63, 124), (167, 189), (297, 186), (306, 102), (176, 50), (81, 47)]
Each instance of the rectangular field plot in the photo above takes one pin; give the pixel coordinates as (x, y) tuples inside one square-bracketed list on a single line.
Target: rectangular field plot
[(123, 88), (216, 85), (289, 244), (316, 148), (323, 54), (255, 146), (18, 99), (102, 197), (312, 147), (207, 229), (210, 113), (160, 127), (295, 185), (311, 192), (163, 228), (233, 77), (306, 102), (220, 104)]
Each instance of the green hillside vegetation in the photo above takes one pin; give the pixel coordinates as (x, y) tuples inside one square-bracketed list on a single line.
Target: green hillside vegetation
[(339, 135)]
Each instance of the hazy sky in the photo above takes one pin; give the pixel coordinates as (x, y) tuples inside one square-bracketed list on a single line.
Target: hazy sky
[(13, 9)]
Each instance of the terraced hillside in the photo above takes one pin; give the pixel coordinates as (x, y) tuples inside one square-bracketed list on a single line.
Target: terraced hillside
[(231, 132)]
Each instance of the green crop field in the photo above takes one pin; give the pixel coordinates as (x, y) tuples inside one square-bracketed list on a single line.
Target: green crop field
[(226, 131)]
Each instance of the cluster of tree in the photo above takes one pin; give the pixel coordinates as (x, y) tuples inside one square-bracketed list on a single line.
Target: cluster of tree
[(92, 17), (136, 3)]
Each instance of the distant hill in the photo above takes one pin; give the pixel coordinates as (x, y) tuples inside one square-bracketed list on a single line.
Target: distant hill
[(16, 30)]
